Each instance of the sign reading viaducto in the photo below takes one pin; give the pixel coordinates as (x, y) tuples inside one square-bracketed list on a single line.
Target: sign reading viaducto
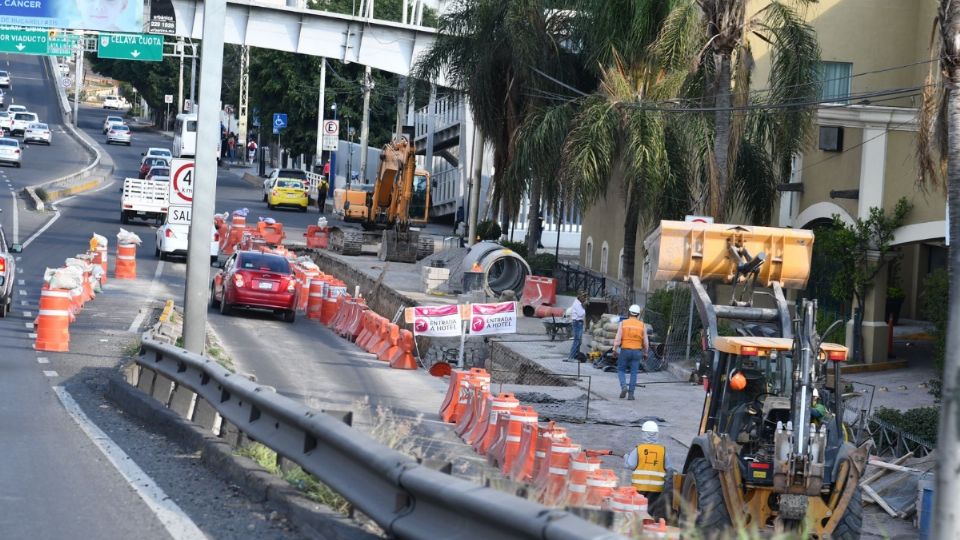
[(101, 15), (42, 42)]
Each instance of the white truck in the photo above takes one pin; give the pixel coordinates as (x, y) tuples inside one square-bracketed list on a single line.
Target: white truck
[(144, 199)]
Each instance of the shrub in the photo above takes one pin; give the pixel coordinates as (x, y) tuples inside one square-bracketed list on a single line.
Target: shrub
[(934, 309), (519, 248), (488, 230), (921, 422), (542, 264)]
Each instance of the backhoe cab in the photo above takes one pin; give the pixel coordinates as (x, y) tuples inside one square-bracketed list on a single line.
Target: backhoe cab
[(765, 456)]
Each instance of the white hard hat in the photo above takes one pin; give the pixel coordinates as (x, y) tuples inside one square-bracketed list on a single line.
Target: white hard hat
[(816, 394), (634, 309), (650, 427)]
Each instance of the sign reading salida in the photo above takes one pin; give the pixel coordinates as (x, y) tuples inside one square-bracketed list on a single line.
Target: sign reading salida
[(500, 318)]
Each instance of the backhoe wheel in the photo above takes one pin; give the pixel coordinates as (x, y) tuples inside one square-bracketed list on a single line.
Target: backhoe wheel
[(662, 506), (852, 520), (703, 494)]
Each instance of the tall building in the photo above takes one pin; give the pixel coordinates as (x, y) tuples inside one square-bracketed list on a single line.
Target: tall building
[(862, 153)]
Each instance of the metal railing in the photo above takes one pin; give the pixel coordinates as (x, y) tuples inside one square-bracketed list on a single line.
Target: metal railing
[(406, 499), (892, 442)]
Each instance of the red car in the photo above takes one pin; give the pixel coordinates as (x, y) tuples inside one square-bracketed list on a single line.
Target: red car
[(149, 162), (251, 279)]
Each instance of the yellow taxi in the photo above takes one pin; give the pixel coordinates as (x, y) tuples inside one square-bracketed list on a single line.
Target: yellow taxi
[(287, 192)]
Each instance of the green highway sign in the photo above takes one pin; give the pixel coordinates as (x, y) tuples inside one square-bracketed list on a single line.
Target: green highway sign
[(143, 47), (37, 42)]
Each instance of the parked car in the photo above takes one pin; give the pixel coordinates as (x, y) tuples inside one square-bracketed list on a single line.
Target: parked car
[(119, 134), (153, 151), (252, 279), (149, 162), (4, 79), (285, 192), (20, 122), (158, 172), (10, 151), (8, 269), (173, 239), (112, 102), (112, 121), (38, 132)]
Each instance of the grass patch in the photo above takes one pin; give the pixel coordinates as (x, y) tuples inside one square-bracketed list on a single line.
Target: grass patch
[(132, 348), (304, 482)]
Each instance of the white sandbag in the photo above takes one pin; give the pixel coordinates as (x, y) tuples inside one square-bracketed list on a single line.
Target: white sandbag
[(322, 222), (100, 240), (48, 274), (65, 279), (84, 266), (126, 237)]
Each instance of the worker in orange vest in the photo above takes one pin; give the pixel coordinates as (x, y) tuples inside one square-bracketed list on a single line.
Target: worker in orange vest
[(631, 346), (648, 461)]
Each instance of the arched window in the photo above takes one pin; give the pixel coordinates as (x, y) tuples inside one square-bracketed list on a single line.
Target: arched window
[(588, 256), (620, 265), (604, 255)]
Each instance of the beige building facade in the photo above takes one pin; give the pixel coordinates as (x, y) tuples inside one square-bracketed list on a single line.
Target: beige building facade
[(862, 153)]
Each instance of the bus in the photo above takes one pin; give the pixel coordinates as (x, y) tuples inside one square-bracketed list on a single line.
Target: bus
[(185, 136)]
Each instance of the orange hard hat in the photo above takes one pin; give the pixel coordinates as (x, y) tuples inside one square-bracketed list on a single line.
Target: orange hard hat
[(738, 381)]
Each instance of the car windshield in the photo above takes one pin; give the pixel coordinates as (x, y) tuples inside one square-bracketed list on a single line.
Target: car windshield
[(159, 171), (290, 184), (8, 142), (159, 152), (156, 161), (263, 261), (3, 74), (120, 128), (295, 174), (25, 116), (38, 126)]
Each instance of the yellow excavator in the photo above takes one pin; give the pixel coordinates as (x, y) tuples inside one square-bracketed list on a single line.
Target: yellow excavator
[(767, 455), (400, 198)]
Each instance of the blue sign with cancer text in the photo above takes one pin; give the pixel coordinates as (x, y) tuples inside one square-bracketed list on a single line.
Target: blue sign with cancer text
[(106, 15)]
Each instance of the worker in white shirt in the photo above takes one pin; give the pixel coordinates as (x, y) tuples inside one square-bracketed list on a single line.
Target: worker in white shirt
[(576, 314)]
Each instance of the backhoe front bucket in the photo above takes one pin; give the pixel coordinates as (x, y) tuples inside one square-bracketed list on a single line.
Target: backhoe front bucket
[(681, 249)]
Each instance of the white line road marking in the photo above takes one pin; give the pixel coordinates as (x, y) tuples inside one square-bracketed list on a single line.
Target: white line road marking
[(16, 219), (150, 296), (42, 230), (23, 292), (32, 336), (24, 303), (177, 523), (43, 360), (27, 313), (21, 282), (18, 257), (51, 373), (29, 325)]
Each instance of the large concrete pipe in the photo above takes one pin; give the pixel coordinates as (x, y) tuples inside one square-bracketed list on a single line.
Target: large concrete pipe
[(502, 268)]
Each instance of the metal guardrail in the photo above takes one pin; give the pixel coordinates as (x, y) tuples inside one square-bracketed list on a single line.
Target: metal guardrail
[(892, 442), (405, 498)]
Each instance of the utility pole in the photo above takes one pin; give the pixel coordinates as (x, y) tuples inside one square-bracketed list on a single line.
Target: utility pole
[(365, 125), (318, 160), (78, 77), (205, 177), (244, 102), (180, 83), (476, 158), (193, 73)]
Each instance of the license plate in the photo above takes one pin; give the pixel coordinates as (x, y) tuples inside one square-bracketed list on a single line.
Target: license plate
[(265, 285), (292, 195), (140, 213)]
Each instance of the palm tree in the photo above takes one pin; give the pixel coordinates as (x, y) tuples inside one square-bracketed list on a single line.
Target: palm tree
[(939, 153), (711, 39), (496, 52)]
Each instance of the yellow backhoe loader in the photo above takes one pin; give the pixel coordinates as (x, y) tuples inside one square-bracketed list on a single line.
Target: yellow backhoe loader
[(766, 457), (400, 199)]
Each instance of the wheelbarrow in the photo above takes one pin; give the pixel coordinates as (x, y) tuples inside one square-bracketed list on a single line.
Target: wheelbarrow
[(558, 329)]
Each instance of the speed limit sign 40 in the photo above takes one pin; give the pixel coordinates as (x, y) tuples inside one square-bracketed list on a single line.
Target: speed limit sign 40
[(181, 180)]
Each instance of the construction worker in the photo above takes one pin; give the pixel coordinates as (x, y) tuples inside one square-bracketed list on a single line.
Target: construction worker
[(576, 314), (648, 461), (818, 411), (631, 346)]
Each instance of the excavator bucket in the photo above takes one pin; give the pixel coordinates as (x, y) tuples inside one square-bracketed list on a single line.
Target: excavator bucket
[(681, 249)]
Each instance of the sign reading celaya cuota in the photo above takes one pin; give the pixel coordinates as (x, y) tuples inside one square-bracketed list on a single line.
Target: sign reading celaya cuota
[(499, 318), (103, 15), (437, 321)]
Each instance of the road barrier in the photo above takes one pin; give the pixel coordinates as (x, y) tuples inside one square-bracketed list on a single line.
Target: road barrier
[(406, 499)]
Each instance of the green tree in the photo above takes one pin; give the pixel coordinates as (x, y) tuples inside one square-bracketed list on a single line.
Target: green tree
[(497, 53), (860, 252)]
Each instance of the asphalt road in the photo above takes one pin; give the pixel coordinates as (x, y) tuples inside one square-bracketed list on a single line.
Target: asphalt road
[(57, 431)]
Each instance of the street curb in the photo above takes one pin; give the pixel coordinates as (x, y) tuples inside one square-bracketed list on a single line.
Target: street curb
[(252, 179), (313, 519), (91, 176)]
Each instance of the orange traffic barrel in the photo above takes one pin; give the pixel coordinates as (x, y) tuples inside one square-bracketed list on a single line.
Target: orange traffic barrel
[(479, 419), (600, 486), (52, 324), (126, 266), (485, 433), (459, 406), (478, 395), (580, 469), (626, 500), (404, 359), (457, 379), (328, 310), (503, 451), (552, 479), (315, 300)]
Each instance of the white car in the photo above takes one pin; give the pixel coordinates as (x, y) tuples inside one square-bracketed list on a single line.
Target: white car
[(112, 102), (173, 239), (21, 120), (111, 121), (37, 132), (3, 98), (16, 108), (4, 79), (10, 151), (119, 133), (153, 151), (6, 120)]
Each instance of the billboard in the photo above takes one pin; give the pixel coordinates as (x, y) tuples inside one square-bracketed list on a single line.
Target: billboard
[(104, 15)]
